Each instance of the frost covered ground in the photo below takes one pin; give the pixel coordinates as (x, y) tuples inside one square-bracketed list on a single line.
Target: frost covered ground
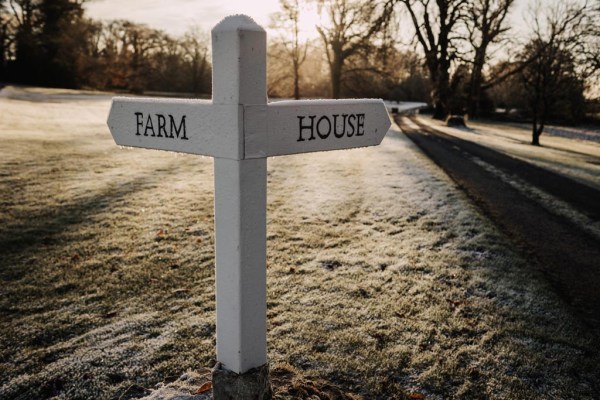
[(384, 281), (569, 151)]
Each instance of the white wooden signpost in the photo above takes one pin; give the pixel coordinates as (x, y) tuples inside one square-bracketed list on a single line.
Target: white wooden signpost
[(240, 130)]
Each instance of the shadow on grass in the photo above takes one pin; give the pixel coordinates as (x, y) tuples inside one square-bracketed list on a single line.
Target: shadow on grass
[(28, 231)]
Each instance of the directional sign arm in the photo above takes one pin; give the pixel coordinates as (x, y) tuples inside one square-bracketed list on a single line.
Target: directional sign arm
[(303, 126), (181, 125)]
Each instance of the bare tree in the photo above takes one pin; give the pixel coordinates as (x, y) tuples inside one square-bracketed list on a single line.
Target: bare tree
[(485, 25), (195, 45), (437, 24), (26, 46), (351, 27), (550, 60), (590, 45), (287, 20), (7, 37), (128, 51), (141, 40)]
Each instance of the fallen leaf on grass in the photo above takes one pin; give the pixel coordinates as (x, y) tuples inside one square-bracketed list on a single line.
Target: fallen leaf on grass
[(204, 388), (454, 303)]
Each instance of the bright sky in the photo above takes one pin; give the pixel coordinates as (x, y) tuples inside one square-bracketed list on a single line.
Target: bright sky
[(176, 16)]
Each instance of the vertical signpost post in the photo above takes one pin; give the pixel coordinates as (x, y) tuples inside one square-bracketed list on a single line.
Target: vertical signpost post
[(239, 79), (240, 130)]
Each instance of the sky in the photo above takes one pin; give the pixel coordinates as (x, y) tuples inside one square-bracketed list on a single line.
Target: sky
[(176, 16)]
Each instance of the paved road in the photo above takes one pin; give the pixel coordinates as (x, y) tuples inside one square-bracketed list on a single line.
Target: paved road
[(568, 255)]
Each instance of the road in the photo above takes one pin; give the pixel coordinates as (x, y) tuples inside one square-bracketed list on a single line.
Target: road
[(567, 254)]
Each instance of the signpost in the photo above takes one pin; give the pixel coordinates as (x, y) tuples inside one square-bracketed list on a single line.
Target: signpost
[(240, 130)]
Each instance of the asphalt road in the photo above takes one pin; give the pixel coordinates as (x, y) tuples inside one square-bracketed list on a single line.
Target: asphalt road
[(568, 255)]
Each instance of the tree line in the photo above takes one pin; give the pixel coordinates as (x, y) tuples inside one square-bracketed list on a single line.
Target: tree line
[(462, 56), (53, 43)]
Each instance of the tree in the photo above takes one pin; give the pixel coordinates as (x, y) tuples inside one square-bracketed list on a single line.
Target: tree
[(590, 48), (485, 24), (412, 83), (352, 26), (436, 26), (63, 41), (7, 32), (288, 43), (114, 56), (141, 40), (195, 46), (552, 85), (551, 76), (27, 58), (50, 41)]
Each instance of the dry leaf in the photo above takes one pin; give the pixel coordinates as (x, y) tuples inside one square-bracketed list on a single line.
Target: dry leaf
[(416, 396), (162, 233), (204, 388)]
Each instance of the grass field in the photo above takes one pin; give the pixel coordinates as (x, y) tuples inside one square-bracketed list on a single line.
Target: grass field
[(383, 280)]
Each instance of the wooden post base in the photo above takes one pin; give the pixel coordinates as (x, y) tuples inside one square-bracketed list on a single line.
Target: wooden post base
[(254, 384)]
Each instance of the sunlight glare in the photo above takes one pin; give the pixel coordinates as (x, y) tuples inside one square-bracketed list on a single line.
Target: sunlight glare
[(309, 19)]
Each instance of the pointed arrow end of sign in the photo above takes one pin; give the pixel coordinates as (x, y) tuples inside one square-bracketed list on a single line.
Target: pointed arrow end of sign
[(109, 120), (112, 120), (384, 121)]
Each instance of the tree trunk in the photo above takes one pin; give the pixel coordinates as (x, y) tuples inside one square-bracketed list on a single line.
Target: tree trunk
[(441, 95), (439, 111), (535, 139), (537, 130), (336, 77), (475, 85), (3, 49), (296, 80)]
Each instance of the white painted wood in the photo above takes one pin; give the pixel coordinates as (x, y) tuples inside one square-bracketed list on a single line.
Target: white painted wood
[(239, 77), (290, 127), (239, 61), (240, 246), (186, 126)]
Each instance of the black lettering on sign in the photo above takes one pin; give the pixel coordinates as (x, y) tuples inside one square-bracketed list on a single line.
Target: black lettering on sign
[(348, 125), (139, 119), (174, 129), (339, 134), (178, 130), (350, 118), (323, 134), (161, 125), (360, 125), (150, 126), (310, 127)]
